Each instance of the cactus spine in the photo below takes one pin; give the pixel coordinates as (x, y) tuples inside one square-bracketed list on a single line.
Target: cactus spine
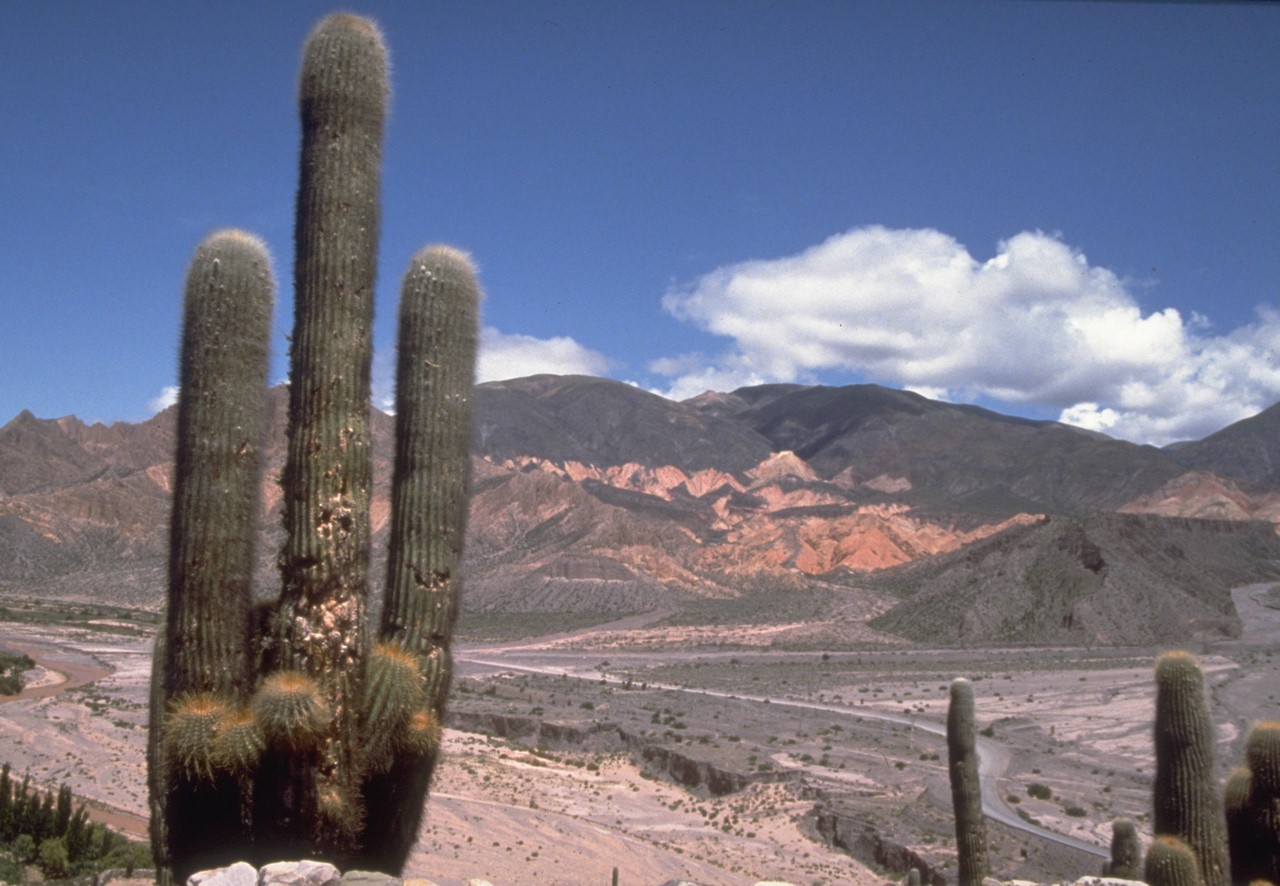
[(966, 791), (277, 729), (1187, 803)]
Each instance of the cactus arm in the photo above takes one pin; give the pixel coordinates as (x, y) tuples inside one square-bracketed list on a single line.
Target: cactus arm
[(205, 647), (435, 373), (221, 427)]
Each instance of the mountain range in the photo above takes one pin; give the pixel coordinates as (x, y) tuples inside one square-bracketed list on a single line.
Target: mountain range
[(948, 523)]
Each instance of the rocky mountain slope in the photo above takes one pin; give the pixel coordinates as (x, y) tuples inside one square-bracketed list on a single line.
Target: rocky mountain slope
[(594, 496)]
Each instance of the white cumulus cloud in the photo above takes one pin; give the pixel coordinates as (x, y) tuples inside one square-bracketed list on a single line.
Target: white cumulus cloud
[(512, 355), (168, 396), (1034, 324)]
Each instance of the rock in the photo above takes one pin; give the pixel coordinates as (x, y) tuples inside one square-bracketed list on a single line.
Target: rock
[(372, 878), (418, 881), (476, 881), (298, 873), (239, 874)]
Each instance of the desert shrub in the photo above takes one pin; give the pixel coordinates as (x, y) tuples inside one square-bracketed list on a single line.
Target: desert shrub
[(1039, 791)]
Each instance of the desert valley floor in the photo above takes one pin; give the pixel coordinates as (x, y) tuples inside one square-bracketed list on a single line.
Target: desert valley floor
[(712, 756)]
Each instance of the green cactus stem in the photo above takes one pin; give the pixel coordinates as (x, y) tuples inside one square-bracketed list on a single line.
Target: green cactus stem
[(439, 306), (1126, 851), (1171, 862), (393, 691), (438, 311), (421, 734), (202, 803), (327, 479), (1254, 830), (332, 754), (1187, 802), (221, 427), (966, 792), (1244, 839), (218, 474)]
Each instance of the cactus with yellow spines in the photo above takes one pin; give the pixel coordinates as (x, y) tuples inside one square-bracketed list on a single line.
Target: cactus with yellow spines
[(282, 720), (1171, 862)]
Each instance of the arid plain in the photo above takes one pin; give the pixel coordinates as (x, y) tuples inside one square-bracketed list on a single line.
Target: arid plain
[(720, 756)]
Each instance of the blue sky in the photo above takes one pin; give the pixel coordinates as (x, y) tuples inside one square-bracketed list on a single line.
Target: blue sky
[(1055, 209)]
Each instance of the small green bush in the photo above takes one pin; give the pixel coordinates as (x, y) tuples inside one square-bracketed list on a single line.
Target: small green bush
[(1039, 791)]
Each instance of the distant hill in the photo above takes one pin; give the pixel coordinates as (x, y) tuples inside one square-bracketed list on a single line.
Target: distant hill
[(1247, 451), (593, 495), (1107, 580), (946, 457)]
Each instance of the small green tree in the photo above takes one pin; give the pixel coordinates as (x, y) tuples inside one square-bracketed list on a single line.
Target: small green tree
[(24, 848), (54, 862)]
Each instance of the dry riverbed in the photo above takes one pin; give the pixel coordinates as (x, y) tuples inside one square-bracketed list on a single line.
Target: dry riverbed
[(804, 731)]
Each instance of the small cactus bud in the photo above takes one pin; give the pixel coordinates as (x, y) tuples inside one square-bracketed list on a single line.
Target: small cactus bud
[(421, 733), (239, 743), (393, 690), (190, 732), (290, 710), (1170, 862)]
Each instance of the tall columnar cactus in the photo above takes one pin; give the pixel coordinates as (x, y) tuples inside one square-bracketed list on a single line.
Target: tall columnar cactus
[(1243, 836), (319, 630), (1252, 802), (1187, 802), (279, 729), (966, 790)]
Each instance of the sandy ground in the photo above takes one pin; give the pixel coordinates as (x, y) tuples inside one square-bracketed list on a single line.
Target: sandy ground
[(496, 811), (482, 820)]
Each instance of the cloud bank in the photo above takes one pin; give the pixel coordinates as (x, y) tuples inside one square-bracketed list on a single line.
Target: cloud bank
[(167, 397), (506, 355), (1034, 325)]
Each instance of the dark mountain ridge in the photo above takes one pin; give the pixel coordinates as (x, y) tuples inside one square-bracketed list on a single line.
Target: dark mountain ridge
[(593, 496)]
